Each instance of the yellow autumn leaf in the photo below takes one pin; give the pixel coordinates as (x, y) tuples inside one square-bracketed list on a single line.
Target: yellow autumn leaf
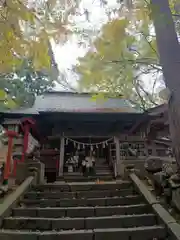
[(3, 95), (9, 103), (99, 97)]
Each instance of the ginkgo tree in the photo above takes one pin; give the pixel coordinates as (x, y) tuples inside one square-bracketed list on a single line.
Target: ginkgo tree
[(117, 62), (161, 13), (124, 58), (27, 27), (6, 101)]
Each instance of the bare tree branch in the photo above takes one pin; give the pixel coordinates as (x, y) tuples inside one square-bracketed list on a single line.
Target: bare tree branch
[(150, 45), (138, 61)]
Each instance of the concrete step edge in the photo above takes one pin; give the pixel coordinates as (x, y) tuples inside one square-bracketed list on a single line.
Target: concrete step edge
[(93, 191), (74, 184), (97, 207), (79, 192), (143, 228), (87, 199), (85, 218)]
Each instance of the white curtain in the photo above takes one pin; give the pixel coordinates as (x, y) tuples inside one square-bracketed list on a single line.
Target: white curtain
[(32, 143)]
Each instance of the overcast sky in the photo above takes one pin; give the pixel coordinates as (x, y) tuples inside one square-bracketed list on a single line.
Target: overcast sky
[(67, 55)]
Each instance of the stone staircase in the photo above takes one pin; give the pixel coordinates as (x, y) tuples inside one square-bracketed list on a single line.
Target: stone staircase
[(102, 169), (83, 211)]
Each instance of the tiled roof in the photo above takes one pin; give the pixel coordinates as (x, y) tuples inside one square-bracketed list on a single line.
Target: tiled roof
[(158, 109), (20, 111), (75, 102)]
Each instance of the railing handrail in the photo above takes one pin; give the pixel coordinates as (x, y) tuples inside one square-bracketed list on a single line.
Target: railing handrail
[(12, 199), (171, 224)]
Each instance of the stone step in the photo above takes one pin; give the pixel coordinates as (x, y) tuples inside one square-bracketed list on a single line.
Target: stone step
[(82, 211), (82, 194), (92, 186), (104, 178), (104, 168), (140, 233), (103, 173), (45, 224), (127, 200), (97, 171)]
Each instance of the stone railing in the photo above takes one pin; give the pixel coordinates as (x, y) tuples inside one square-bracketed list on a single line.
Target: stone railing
[(23, 170), (172, 226), (13, 198)]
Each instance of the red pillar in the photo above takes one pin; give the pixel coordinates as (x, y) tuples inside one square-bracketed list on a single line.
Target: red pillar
[(11, 135), (27, 123)]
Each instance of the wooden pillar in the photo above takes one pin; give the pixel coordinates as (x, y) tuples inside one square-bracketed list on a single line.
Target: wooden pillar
[(153, 145), (61, 156), (26, 124), (118, 158), (11, 135), (25, 147)]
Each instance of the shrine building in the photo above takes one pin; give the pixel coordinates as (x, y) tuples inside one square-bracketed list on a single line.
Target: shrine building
[(61, 124)]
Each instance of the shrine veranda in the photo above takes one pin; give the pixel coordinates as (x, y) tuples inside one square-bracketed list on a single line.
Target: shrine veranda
[(63, 123)]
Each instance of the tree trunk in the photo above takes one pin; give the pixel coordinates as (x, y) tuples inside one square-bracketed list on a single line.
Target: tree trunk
[(174, 126), (169, 52)]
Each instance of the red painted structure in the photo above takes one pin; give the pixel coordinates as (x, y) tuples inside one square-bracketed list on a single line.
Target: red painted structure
[(11, 135), (26, 124)]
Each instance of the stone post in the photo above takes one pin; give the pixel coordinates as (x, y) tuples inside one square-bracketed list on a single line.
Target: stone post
[(61, 157), (23, 170), (118, 158)]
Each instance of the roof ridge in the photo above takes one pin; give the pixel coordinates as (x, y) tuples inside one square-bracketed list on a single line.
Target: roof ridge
[(80, 93)]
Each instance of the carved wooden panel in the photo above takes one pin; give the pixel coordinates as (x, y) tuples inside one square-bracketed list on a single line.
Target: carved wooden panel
[(132, 150)]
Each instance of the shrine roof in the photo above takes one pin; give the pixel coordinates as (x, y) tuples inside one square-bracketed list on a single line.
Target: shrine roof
[(80, 102), (157, 110), (72, 102), (22, 111)]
